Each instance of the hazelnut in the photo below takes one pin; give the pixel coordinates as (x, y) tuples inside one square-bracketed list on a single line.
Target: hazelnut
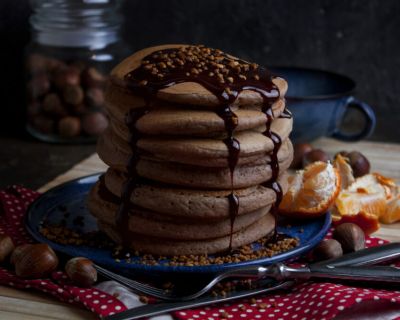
[(94, 123), (52, 105), (6, 247), (39, 85), (66, 76), (18, 252), (299, 150), (327, 249), (36, 63), (34, 260), (95, 97), (73, 95), (351, 236), (358, 162), (313, 156), (69, 127), (81, 271), (91, 77)]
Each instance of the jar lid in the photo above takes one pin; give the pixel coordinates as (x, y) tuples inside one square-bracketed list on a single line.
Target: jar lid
[(76, 23)]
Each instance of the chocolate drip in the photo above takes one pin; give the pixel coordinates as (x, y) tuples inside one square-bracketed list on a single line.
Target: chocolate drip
[(272, 183), (233, 145), (133, 180), (286, 114), (225, 77)]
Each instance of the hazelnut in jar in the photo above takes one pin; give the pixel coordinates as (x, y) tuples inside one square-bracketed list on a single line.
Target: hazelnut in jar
[(67, 63)]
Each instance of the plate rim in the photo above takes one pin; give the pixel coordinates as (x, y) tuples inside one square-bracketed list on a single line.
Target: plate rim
[(130, 267)]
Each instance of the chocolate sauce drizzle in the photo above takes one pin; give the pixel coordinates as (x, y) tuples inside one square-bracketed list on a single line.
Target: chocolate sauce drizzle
[(225, 77)]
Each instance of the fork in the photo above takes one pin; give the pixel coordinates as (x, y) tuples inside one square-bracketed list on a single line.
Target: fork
[(279, 271)]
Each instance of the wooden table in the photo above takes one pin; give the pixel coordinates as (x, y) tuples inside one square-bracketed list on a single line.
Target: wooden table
[(29, 305)]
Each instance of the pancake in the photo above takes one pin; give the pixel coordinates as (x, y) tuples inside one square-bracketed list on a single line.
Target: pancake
[(184, 120), (200, 151), (191, 203), (196, 176), (152, 224), (191, 93), (264, 227), (196, 138)]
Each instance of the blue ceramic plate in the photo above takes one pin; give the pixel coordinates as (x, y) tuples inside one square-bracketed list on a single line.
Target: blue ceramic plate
[(70, 198)]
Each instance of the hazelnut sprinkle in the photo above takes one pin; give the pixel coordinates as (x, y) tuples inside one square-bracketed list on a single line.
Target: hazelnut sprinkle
[(225, 77)]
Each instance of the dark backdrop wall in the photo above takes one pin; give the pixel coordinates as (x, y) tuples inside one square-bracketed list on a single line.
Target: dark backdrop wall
[(359, 38)]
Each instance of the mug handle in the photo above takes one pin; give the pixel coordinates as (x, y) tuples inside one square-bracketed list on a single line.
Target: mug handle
[(370, 121)]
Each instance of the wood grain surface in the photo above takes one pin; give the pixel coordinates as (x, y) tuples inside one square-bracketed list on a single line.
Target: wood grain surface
[(30, 305)]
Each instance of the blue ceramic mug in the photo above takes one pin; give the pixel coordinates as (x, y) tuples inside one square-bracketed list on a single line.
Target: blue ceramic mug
[(319, 101)]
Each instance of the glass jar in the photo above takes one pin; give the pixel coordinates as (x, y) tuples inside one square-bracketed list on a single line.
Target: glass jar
[(74, 45)]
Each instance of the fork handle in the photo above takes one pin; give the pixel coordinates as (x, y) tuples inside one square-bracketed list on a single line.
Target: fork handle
[(375, 274)]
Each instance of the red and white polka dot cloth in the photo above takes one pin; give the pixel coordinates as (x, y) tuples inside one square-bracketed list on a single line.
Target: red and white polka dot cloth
[(310, 300), (14, 201)]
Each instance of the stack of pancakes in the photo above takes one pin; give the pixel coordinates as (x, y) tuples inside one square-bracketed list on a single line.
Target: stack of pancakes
[(171, 175)]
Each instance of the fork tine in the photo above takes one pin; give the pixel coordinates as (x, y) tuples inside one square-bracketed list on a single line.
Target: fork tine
[(132, 284)]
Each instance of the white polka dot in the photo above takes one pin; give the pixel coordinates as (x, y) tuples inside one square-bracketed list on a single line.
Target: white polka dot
[(202, 312), (249, 310), (329, 305), (111, 313), (60, 290), (358, 299), (243, 315), (215, 314), (89, 296), (96, 301), (325, 312), (376, 298), (340, 307), (182, 313), (117, 307)]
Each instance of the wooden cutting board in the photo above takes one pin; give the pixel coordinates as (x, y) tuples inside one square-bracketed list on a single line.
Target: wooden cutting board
[(29, 305)]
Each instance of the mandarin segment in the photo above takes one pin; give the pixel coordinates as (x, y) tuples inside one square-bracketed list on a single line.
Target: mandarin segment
[(312, 191), (367, 222), (392, 213)]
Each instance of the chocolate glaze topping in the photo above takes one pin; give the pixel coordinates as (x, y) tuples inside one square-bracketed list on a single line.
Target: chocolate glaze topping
[(225, 77)]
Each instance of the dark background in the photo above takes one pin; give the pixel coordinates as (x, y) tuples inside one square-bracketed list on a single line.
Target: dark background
[(359, 38)]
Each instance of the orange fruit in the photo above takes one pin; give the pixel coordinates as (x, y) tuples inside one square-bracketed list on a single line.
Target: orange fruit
[(311, 191), (366, 194), (345, 171), (392, 213), (367, 222)]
